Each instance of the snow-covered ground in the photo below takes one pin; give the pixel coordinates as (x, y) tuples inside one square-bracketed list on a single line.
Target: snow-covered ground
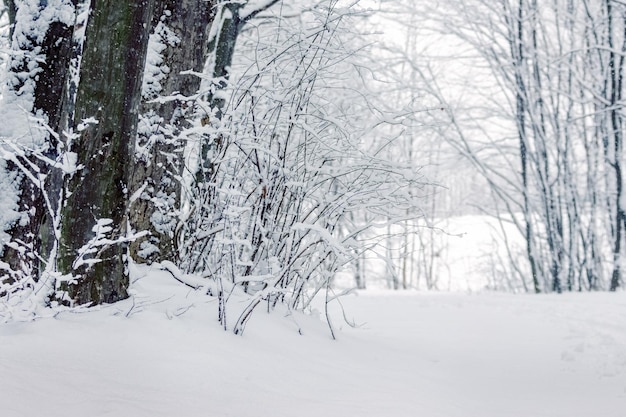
[(413, 354)]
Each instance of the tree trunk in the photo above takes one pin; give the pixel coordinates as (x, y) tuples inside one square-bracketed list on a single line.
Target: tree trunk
[(93, 229), (228, 24), (517, 52), (46, 61), (614, 155), (181, 27)]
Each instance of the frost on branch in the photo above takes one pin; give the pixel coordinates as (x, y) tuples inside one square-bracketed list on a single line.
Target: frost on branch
[(88, 254)]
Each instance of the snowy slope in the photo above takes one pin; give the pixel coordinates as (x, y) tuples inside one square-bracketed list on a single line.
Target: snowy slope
[(414, 354)]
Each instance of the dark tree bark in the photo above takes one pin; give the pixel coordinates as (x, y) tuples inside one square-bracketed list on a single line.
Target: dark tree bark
[(109, 91)]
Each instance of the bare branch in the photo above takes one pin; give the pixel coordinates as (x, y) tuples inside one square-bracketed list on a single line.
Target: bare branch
[(253, 8)]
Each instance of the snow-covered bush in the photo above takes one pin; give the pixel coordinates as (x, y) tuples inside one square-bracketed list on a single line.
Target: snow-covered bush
[(291, 170)]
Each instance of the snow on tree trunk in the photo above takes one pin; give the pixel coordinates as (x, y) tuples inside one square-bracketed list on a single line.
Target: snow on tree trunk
[(179, 43), (41, 45)]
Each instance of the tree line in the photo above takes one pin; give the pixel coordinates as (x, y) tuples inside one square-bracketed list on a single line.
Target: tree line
[(545, 131)]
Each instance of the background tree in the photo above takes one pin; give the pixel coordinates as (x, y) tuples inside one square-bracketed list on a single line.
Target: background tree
[(543, 132)]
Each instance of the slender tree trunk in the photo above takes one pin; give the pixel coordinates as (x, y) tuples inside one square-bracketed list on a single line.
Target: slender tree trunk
[(517, 50), (615, 154), (227, 26), (538, 113)]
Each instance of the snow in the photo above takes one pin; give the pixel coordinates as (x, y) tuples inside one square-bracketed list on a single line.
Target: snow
[(156, 70), (162, 353)]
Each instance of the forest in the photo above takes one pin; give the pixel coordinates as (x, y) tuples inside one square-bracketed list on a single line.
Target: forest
[(271, 150), (400, 207)]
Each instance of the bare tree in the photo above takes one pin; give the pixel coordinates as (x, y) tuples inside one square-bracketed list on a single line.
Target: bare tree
[(555, 166)]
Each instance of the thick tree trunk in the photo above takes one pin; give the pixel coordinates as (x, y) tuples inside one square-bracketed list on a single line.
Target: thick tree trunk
[(182, 29), (93, 228)]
